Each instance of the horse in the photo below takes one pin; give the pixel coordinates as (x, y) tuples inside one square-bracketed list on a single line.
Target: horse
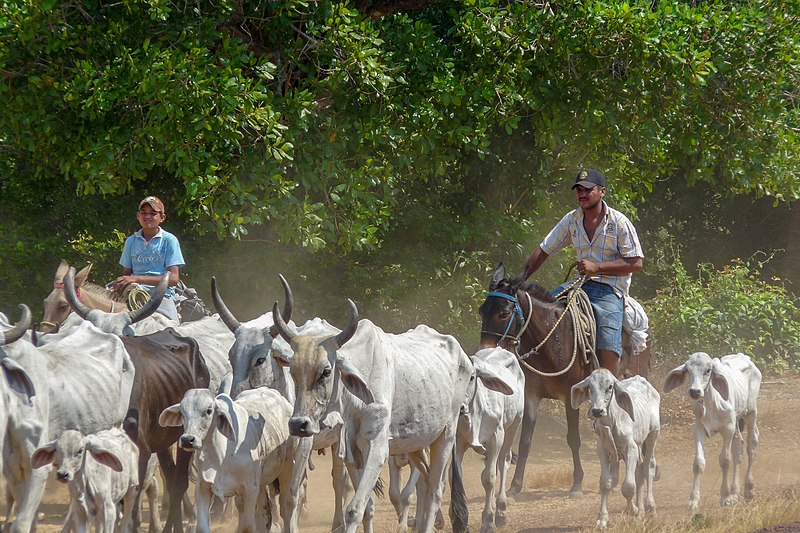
[(526, 319), (57, 309)]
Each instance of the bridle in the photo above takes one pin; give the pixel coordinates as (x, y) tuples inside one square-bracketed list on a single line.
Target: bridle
[(513, 340)]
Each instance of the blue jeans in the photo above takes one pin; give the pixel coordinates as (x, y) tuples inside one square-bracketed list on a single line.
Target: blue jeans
[(608, 309)]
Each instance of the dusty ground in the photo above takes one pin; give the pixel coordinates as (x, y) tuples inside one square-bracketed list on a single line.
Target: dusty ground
[(544, 505)]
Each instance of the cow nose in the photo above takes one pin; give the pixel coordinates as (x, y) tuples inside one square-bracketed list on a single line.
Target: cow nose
[(694, 393), (187, 441), (300, 426), (62, 476), (597, 412)]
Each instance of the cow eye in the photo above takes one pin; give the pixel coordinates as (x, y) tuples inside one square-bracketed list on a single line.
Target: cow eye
[(260, 361), (209, 411), (326, 372)]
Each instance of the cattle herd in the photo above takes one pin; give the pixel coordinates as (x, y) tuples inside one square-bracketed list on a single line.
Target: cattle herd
[(107, 398)]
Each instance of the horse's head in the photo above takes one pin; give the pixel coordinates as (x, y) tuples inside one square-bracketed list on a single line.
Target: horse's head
[(56, 306), (502, 317)]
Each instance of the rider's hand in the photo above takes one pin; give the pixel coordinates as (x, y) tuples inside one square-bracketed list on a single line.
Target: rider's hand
[(588, 268)]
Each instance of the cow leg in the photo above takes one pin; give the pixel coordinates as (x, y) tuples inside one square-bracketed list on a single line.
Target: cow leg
[(152, 504), (341, 481), (737, 452), (292, 478), (699, 466), (439, 453), (574, 441), (203, 497), (489, 479), (127, 511), (606, 484), (401, 499), (752, 445), (177, 478), (726, 496), (649, 467), (30, 490), (503, 465), (628, 488), (374, 452), (525, 438)]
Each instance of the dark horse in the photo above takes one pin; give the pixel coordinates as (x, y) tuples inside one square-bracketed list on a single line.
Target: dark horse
[(504, 313)]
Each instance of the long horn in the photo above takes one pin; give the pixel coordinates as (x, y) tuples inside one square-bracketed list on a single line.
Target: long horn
[(288, 306), (72, 297), (350, 330), (224, 313), (280, 326), (19, 329), (150, 307)]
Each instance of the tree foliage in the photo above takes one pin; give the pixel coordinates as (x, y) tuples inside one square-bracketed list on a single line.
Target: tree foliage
[(331, 125)]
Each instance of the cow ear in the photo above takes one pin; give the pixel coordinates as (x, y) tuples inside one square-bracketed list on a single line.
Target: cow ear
[(224, 420), (225, 384), (354, 382), (624, 399), (171, 417), (579, 393), (498, 276), (719, 381), (492, 380), (675, 377), (104, 456), (18, 379), (44, 455)]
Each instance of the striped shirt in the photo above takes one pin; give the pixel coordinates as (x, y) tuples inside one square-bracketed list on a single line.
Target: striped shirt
[(614, 238)]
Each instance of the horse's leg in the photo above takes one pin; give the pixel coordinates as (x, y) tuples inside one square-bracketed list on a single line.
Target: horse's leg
[(525, 438), (574, 441)]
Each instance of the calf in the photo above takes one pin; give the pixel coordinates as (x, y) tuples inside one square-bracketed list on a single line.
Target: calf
[(489, 423), (254, 450), (627, 423), (723, 393), (100, 470)]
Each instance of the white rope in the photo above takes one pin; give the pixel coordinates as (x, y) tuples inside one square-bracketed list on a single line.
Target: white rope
[(583, 331)]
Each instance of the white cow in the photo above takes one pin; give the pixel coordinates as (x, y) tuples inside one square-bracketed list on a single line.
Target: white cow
[(215, 341), (489, 423), (24, 405), (254, 450), (254, 362), (724, 393), (627, 422), (399, 394), (100, 470)]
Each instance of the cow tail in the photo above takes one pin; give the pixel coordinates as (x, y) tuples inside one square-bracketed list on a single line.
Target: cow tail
[(459, 513)]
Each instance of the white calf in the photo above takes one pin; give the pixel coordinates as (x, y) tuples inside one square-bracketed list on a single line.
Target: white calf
[(627, 423), (97, 480), (251, 450), (489, 423), (723, 395)]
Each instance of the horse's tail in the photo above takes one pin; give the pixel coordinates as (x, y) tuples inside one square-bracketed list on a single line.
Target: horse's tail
[(459, 513)]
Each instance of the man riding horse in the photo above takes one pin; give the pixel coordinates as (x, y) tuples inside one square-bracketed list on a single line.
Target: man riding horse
[(608, 252)]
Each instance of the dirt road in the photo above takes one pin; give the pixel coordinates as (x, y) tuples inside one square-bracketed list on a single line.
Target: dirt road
[(544, 505)]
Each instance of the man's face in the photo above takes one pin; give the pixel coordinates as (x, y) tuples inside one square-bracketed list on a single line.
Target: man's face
[(588, 198)]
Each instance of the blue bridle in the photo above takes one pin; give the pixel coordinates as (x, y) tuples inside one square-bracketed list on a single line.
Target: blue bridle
[(517, 311)]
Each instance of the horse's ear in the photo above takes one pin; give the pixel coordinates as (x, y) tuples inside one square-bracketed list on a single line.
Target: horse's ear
[(498, 276), (83, 275)]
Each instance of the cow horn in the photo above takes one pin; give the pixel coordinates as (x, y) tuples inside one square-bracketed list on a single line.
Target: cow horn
[(72, 297), (150, 307), (224, 313), (350, 330), (19, 329), (280, 326), (288, 306)]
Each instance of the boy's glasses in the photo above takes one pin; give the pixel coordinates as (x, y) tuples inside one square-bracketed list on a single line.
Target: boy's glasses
[(149, 213)]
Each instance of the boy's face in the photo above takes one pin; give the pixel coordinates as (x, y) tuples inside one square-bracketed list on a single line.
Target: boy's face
[(149, 218)]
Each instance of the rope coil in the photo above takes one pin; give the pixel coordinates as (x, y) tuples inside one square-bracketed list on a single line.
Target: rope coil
[(136, 296), (583, 329)]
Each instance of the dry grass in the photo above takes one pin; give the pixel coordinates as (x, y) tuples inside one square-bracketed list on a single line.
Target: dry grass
[(768, 511), (552, 477)]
